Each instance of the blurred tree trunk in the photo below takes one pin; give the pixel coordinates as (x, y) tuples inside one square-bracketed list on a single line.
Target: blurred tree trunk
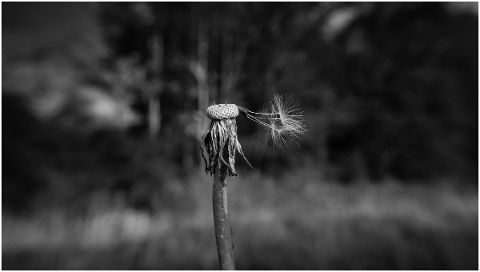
[(199, 69), (201, 73), (154, 114), (271, 75), (218, 30), (233, 54)]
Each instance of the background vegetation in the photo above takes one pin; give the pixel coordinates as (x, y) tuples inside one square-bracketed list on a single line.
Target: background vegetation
[(103, 106)]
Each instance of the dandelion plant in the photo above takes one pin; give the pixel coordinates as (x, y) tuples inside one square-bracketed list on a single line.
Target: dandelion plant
[(284, 121)]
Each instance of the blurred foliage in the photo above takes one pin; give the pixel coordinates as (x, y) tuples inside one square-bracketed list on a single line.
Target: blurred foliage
[(388, 90), (298, 221), (391, 92), (103, 107)]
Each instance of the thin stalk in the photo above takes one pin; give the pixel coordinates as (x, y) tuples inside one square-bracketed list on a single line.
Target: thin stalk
[(221, 219)]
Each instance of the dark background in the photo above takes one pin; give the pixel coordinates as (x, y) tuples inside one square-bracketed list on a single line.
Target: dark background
[(103, 108)]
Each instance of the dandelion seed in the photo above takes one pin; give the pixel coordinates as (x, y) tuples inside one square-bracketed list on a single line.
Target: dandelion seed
[(284, 121)]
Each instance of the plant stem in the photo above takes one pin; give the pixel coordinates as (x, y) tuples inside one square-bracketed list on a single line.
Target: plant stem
[(221, 220)]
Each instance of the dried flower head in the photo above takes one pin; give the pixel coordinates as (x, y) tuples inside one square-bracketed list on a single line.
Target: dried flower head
[(222, 137), (284, 122)]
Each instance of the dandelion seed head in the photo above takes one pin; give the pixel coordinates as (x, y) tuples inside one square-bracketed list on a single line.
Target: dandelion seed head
[(222, 111)]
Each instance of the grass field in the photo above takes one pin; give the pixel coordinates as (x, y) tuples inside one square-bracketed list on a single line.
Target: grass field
[(298, 221)]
